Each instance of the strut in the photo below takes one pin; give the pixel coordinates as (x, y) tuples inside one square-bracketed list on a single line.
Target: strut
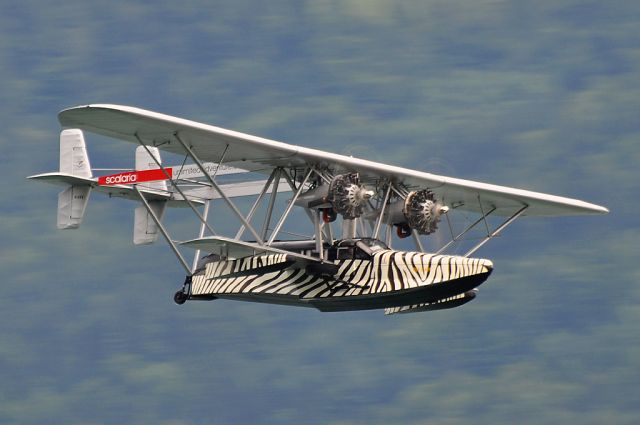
[(163, 230), (228, 201), (464, 232), (497, 230), (203, 220)]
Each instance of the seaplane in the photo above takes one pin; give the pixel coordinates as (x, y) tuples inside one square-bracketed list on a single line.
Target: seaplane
[(350, 267)]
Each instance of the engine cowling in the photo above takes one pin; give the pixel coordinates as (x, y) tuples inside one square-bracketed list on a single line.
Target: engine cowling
[(422, 211)]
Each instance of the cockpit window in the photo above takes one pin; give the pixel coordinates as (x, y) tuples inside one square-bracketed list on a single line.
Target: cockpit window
[(374, 244), (359, 249)]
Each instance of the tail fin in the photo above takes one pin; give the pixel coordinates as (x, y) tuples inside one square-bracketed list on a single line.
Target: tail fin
[(145, 230), (72, 202), (144, 162), (73, 154)]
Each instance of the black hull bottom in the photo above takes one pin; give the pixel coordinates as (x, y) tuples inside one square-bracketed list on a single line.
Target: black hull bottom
[(424, 294)]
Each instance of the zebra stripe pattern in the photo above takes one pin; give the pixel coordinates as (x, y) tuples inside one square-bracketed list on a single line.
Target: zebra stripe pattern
[(414, 308), (387, 271)]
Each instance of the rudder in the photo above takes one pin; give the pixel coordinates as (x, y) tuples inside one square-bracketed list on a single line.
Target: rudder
[(145, 230), (74, 160)]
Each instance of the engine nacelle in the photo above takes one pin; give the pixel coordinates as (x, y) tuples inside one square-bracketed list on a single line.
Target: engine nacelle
[(419, 211), (343, 195)]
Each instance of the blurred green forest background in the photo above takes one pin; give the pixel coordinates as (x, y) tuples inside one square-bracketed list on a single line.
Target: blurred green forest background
[(541, 95)]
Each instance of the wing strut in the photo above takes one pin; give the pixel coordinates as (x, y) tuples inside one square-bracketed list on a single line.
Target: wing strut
[(464, 232), (387, 193), (272, 200), (498, 229), (290, 206), (317, 225), (196, 256), (416, 239), (163, 231), (230, 204), (257, 202), (203, 220)]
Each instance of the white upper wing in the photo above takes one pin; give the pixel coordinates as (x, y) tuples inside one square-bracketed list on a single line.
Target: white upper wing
[(259, 154)]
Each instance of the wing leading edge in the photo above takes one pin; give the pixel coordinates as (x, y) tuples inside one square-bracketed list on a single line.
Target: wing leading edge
[(259, 154)]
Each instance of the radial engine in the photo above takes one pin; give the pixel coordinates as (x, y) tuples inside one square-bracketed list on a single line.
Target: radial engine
[(419, 211), (344, 195)]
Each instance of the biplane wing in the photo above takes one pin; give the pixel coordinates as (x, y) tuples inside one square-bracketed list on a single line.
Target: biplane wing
[(258, 154)]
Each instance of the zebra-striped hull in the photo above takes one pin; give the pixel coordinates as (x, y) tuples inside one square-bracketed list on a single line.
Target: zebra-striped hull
[(389, 279), (441, 304)]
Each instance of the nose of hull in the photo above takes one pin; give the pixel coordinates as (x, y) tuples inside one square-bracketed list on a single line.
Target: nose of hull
[(487, 266), (464, 266)]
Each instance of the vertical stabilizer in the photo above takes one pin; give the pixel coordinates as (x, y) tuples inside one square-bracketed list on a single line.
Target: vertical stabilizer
[(72, 202), (73, 154), (144, 162), (145, 230)]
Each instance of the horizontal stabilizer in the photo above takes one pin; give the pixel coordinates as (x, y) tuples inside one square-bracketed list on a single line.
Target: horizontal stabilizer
[(233, 248), (197, 195), (63, 179)]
